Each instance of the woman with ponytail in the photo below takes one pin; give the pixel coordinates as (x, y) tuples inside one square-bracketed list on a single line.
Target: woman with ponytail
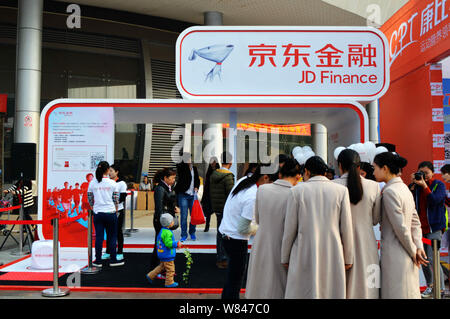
[(365, 204), (237, 227), (104, 200), (401, 235)]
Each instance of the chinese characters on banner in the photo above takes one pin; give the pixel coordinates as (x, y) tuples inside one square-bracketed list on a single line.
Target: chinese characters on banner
[(342, 63), (291, 129), (417, 34)]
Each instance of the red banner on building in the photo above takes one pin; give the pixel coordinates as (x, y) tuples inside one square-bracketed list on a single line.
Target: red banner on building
[(3, 100), (418, 33), (292, 129)]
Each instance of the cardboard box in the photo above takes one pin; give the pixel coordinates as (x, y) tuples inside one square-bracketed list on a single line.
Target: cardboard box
[(141, 200), (151, 201)]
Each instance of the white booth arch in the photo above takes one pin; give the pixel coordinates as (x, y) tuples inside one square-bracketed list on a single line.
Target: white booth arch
[(346, 123)]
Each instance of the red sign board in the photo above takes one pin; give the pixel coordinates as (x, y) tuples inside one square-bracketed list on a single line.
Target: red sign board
[(418, 33), (3, 99)]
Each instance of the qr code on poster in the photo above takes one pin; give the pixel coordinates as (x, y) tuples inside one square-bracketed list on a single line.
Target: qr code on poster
[(96, 158)]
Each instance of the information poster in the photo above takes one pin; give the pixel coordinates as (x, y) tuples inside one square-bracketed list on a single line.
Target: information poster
[(77, 142)]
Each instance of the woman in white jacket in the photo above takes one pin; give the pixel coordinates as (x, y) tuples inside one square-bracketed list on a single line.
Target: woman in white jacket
[(265, 257), (365, 198), (401, 235)]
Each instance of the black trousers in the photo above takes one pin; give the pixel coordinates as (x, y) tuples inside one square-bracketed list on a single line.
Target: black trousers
[(237, 251), (119, 233), (155, 260)]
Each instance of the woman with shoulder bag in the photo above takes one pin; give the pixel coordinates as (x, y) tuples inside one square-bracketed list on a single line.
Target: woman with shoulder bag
[(165, 202)]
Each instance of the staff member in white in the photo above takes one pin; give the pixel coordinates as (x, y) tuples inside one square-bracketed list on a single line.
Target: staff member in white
[(365, 204), (121, 188), (104, 199), (401, 235), (317, 244), (236, 229)]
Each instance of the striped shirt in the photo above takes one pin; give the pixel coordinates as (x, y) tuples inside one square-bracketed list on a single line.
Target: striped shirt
[(26, 195)]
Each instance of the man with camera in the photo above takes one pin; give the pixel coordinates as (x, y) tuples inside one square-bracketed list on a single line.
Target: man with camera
[(429, 196)]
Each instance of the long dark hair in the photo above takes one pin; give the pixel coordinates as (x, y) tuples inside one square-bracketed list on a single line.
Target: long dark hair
[(250, 181), (316, 166), (291, 168), (368, 168), (102, 168), (116, 167), (350, 162), (393, 161)]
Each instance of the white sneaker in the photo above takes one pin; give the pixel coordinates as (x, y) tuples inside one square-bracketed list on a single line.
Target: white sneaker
[(427, 293)]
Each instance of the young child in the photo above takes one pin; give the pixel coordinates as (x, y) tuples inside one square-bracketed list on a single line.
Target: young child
[(166, 245)]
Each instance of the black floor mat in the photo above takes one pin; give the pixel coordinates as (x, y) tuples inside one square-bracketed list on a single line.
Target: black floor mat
[(204, 274)]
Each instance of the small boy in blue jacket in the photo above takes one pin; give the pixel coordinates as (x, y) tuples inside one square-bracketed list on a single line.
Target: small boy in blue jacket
[(166, 245)]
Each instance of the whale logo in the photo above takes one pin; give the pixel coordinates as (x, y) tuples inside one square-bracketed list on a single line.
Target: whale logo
[(216, 53)]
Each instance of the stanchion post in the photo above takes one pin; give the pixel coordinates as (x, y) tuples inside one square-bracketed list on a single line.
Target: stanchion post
[(20, 252), (436, 270), (124, 231), (132, 229), (55, 291), (90, 269)]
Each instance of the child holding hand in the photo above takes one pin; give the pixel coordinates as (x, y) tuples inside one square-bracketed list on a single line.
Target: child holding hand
[(166, 250)]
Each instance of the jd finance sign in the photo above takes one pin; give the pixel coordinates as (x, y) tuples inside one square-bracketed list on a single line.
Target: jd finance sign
[(347, 63)]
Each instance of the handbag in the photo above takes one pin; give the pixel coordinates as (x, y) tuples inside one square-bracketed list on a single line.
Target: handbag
[(197, 216)]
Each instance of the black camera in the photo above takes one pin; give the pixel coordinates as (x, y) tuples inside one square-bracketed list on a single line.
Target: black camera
[(419, 175)]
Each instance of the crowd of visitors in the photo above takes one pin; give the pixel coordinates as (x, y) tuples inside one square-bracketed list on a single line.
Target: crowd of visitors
[(314, 231)]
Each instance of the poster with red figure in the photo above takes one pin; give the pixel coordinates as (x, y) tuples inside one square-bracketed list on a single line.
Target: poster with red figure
[(76, 142)]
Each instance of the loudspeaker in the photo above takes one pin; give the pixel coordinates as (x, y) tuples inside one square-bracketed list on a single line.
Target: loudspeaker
[(24, 160)]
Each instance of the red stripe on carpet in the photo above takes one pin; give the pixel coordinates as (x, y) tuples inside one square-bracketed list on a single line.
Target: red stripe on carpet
[(15, 261), (28, 276), (130, 290), (191, 246)]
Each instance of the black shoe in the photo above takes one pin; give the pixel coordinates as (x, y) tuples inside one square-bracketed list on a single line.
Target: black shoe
[(97, 264), (116, 263), (206, 229)]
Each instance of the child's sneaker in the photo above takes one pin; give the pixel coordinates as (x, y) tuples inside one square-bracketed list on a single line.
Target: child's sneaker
[(149, 280), (183, 238), (193, 237), (119, 256), (106, 256), (97, 264), (161, 276), (174, 285)]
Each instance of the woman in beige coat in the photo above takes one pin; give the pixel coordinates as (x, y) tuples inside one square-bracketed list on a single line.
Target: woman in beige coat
[(401, 236), (266, 278), (365, 198), (317, 244)]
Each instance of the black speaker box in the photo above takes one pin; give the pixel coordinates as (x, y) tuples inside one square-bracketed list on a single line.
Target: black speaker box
[(24, 160)]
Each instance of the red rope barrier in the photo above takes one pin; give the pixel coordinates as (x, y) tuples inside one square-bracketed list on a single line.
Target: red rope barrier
[(9, 208), (23, 222), (426, 241)]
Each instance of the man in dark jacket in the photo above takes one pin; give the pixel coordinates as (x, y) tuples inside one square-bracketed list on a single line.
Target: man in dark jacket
[(221, 184), (429, 196), (186, 189)]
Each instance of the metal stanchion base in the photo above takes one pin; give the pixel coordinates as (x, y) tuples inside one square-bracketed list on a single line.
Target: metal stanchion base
[(132, 230), (90, 270), (61, 292), (19, 253)]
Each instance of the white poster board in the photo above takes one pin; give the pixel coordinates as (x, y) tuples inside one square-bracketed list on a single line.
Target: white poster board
[(335, 63)]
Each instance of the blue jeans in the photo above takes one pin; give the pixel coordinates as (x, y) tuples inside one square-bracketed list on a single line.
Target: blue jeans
[(108, 222), (428, 270), (185, 203)]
